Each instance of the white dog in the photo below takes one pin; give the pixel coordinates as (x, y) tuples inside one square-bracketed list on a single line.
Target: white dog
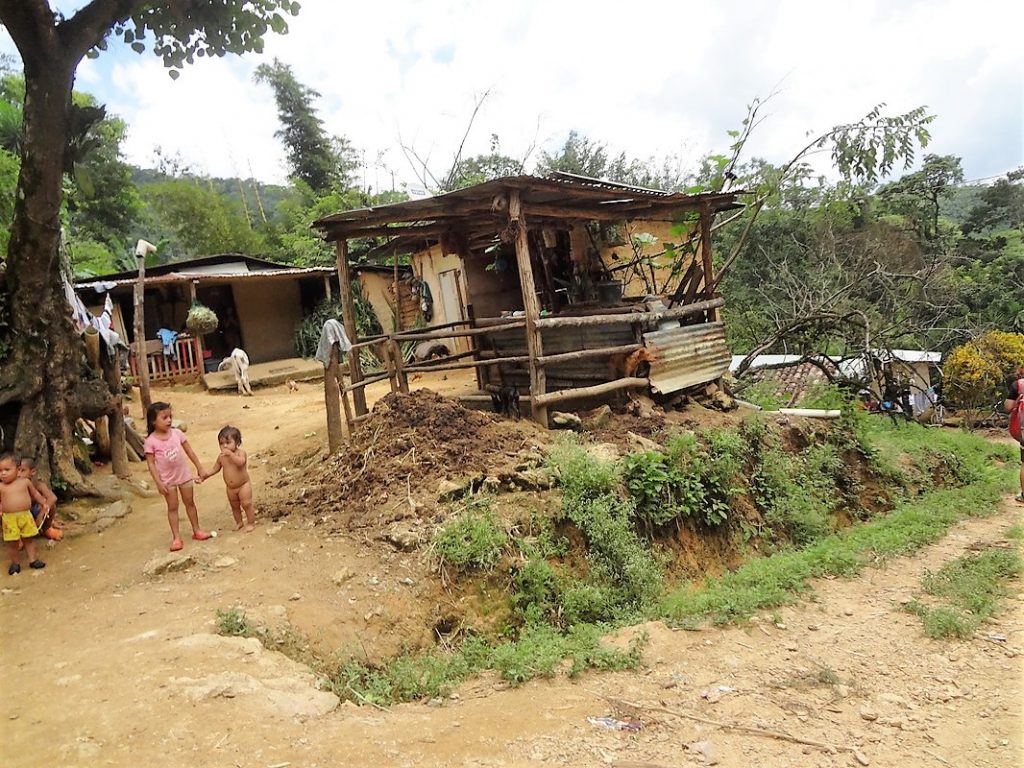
[(238, 364)]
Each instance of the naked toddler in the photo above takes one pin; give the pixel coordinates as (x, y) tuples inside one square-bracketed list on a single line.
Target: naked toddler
[(233, 461)]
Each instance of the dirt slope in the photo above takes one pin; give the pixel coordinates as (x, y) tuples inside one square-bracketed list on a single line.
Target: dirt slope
[(106, 665)]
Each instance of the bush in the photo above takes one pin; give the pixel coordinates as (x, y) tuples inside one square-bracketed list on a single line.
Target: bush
[(975, 373)]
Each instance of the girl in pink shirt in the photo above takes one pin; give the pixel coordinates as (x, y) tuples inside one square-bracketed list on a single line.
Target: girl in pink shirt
[(166, 448)]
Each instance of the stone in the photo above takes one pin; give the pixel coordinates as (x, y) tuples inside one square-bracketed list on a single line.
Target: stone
[(182, 425), (706, 750), (860, 757), (643, 443), (642, 407), (604, 452), (341, 576), (448, 490), (116, 510), (224, 562), (402, 536), (102, 523), (867, 713), (172, 562), (539, 479), (273, 682), (599, 418), (562, 420)]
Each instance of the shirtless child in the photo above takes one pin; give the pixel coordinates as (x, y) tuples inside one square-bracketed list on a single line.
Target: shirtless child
[(16, 497), (233, 461)]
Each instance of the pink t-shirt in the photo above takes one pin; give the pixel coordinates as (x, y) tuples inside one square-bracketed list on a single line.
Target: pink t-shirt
[(171, 464)]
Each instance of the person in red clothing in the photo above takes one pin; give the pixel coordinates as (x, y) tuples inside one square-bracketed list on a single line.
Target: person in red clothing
[(1014, 398)]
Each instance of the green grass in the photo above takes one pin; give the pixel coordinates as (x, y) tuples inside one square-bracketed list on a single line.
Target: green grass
[(473, 539), (970, 590), (783, 578), (540, 651)]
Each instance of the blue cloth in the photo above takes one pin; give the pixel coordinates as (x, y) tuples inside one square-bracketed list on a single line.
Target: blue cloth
[(167, 338)]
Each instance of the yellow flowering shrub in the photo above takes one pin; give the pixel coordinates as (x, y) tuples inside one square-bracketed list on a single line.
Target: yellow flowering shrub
[(975, 374)]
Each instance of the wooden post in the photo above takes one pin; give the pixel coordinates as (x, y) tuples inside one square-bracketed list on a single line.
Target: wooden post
[(396, 357), (398, 295), (141, 360), (534, 342), (348, 312), (192, 287), (93, 344), (327, 287), (111, 365), (332, 402), (706, 260)]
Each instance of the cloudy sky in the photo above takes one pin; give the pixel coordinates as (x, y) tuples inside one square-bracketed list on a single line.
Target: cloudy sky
[(648, 77)]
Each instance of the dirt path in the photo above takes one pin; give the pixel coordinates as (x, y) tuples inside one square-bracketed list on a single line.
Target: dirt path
[(106, 665)]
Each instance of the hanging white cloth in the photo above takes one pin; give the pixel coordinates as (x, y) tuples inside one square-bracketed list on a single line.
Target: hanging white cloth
[(333, 332)]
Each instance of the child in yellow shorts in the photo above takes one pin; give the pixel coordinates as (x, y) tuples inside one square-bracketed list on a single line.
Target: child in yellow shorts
[(16, 497)]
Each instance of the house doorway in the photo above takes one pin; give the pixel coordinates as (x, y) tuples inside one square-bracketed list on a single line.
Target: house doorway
[(228, 335)]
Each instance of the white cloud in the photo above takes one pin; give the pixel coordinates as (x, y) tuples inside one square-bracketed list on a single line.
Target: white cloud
[(650, 77)]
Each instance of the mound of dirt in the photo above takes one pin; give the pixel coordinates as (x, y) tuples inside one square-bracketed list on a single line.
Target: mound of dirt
[(396, 460)]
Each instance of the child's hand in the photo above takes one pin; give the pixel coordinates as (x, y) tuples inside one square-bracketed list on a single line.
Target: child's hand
[(161, 489), (199, 478)]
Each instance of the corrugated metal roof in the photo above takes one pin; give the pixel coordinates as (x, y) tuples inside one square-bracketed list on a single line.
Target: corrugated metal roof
[(207, 277), (559, 191), (251, 263), (687, 356)]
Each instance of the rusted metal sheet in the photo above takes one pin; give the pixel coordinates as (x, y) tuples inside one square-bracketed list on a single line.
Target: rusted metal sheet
[(574, 373), (687, 356)]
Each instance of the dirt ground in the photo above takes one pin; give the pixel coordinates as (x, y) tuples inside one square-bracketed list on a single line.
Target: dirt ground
[(106, 664)]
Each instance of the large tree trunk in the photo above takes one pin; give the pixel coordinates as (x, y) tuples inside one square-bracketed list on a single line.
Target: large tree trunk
[(46, 356)]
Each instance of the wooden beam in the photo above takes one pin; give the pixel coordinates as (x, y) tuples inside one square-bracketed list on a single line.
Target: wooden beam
[(428, 334), (348, 311), (579, 248), (192, 288), (534, 342), (610, 212), (629, 317), (141, 361), (111, 365), (706, 258), (594, 391), (583, 354), (332, 402)]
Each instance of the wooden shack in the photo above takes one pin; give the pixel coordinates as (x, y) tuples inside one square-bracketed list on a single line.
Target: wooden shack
[(517, 275)]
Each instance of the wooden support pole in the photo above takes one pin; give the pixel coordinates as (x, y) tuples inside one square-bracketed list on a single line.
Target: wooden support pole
[(327, 287), (398, 294), (534, 342), (706, 259), (141, 360), (332, 401), (385, 357), (193, 287), (111, 365), (91, 337), (348, 312), (597, 389), (396, 358), (429, 333)]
